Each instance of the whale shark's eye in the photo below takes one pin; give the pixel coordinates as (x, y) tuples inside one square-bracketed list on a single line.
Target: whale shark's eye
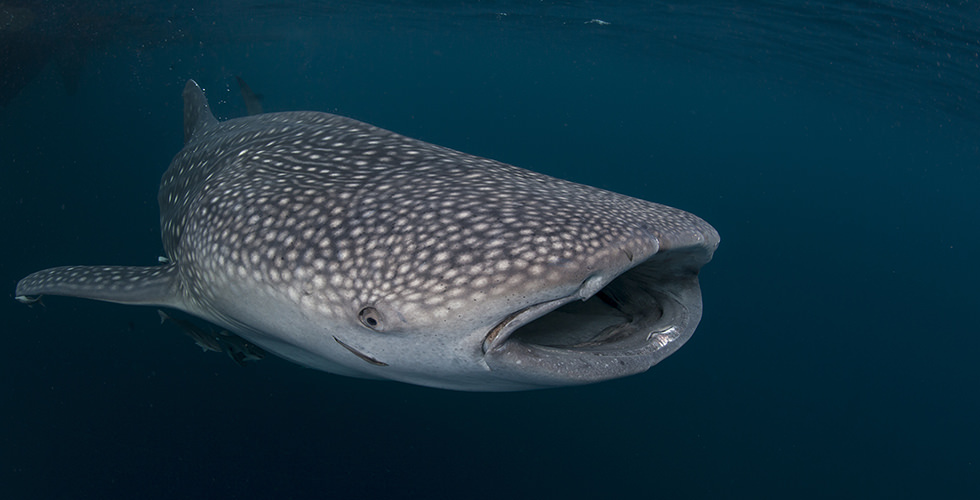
[(371, 318)]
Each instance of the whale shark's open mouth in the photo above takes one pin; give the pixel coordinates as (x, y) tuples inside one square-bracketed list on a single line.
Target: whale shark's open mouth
[(636, 320)]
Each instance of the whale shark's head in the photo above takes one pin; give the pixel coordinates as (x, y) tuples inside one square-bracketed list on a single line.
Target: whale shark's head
[(355, 250), (564, 312)]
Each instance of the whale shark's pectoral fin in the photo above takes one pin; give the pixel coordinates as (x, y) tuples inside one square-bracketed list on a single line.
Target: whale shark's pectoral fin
[(156, 285)]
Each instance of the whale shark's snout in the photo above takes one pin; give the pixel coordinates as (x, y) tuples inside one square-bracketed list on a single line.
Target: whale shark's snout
[(354, 250)]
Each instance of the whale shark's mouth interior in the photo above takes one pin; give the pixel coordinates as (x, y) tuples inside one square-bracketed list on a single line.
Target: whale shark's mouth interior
[(601, 321), (636, 320), (624, 314)]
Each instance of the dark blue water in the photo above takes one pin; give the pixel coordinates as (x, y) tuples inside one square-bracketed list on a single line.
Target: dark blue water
[(833, 145)]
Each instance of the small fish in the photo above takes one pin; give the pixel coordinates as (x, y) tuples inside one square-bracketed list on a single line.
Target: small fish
[(237, 348)]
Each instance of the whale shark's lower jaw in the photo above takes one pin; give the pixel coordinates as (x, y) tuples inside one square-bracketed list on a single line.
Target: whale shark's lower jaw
[(634, 322)]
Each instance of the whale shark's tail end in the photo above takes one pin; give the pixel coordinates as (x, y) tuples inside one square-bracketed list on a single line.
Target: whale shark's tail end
[(197, 113), (154, 285)]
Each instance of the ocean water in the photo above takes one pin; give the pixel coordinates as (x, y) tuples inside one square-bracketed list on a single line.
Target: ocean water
[(834, 145)]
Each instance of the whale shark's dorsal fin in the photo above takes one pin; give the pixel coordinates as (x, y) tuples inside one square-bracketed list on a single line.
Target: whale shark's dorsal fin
[(253, 101), (197, 113)]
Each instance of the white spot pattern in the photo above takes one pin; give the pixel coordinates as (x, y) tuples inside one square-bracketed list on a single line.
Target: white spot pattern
[(316, 204)]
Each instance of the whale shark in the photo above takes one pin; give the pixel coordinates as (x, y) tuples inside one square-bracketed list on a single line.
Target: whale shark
[(354, 250)]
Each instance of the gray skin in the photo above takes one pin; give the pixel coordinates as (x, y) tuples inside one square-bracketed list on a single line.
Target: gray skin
[(354, 250)]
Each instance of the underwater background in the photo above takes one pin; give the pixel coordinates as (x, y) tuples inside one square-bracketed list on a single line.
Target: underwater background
[(834, 145)]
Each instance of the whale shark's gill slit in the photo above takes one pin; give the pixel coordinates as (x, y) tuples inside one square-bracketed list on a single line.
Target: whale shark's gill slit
[(360, 354), (606, 299)]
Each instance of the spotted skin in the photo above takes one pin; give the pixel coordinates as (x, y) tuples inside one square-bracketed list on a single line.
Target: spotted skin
[(138, 285), (287, 227)]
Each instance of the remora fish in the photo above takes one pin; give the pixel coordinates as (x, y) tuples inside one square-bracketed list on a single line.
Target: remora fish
[(351, 249), (238, 349)]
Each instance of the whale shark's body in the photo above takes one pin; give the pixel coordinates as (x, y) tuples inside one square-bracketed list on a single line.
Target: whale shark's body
[(351, 249)]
